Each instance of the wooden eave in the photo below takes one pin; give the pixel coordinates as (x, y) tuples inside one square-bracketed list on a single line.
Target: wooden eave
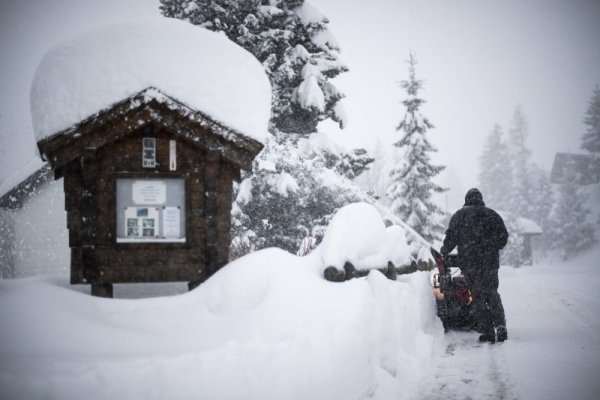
[(149, 107)]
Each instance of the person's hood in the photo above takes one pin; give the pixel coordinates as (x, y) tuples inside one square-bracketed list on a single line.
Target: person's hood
[(474, 198)]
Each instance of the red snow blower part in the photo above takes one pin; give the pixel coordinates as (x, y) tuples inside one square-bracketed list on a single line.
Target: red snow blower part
[(451, 293)]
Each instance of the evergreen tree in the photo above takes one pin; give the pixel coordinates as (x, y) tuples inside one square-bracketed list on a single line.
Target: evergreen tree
[(412, 185), (293, 43), (522, 199), (571, 231), (543, 199), (591, 139), (290, 193), (495, 171), (512, 253), (377, 177)]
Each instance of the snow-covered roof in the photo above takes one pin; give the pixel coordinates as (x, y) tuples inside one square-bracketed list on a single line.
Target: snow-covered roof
[(20, 175), (528, 226), (202, 69)]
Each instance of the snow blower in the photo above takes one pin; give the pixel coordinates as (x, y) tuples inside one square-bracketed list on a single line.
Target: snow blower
[(451, 293)]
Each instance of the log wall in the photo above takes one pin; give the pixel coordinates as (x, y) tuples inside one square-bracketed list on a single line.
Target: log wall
[(90, 202)]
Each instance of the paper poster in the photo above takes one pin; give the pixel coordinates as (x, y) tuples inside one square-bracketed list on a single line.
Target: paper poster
[(142, 222), (149, 192), (172, 222)]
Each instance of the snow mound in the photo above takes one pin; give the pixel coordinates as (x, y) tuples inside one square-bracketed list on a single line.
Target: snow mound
[(357, 233), (205, 70), (266, 326)]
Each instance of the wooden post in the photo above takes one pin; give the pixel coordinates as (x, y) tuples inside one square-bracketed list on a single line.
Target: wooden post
[(211, 208), (102, 290)]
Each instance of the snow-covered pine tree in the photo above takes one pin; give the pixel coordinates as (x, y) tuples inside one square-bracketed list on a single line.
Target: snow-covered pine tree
[(412, 185), (289, 192), (571, 231), (291, 39), (522, 199), (377, 177), (512, 253), (591, 139), (543, 198), (302, 77), (495, 171)]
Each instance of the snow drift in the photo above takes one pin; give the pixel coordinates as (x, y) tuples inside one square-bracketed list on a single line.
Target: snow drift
[(266, 326), (205, 70)]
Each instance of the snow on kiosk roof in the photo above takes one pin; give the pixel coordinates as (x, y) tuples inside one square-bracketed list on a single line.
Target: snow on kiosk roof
[(201, 69), (149, 124)]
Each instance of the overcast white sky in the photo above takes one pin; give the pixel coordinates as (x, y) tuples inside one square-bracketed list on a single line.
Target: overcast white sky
[(479, 59)]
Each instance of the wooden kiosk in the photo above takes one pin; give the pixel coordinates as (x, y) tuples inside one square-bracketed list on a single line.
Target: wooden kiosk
[(148, 191)]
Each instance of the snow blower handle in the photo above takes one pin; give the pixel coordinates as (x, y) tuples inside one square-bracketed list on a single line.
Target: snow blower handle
[(439, 261)]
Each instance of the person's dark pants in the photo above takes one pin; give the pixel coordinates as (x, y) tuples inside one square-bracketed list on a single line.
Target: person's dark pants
[(487, 304)]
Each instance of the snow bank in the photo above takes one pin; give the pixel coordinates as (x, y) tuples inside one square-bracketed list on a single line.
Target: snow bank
[(358, 234), (79, 77), (266, 326)]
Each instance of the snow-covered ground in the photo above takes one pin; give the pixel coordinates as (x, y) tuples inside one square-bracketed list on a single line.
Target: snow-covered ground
[(268, 326), (553, 351)]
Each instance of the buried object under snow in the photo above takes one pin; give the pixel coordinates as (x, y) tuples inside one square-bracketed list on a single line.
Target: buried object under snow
[(349, 271), (451, 293), (357, 240)]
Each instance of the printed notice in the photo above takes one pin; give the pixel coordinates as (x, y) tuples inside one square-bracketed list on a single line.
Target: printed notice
[(149, 192), (171, 222), (141, 222)]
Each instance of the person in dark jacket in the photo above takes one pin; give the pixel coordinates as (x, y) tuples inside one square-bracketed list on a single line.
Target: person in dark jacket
[(479, 233)]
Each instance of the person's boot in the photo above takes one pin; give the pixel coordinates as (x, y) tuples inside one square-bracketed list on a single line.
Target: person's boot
[(489, 335), (501, 333)]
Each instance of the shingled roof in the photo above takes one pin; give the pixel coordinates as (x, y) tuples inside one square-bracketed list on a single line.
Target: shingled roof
[(26, 188), (149, 107)]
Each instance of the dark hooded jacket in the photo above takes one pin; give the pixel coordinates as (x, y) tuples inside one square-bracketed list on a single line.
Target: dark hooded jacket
[(478, 232)]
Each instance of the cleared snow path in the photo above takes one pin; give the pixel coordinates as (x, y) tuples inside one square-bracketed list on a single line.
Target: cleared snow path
[(553, 351), (466, 369), (554, 329)]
